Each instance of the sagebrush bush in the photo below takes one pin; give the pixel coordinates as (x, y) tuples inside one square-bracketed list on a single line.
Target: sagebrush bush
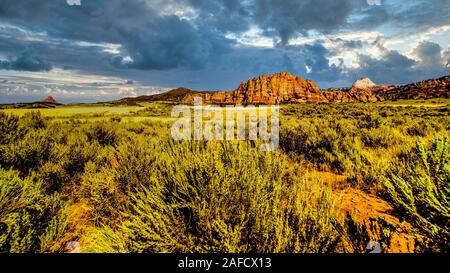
[(33, 120), (136, 160), (420, 128), (333, 143), (371, 121), (104, 133), (30, 220), (219, 197), (383, 136), (145, 193), (419, 188), (10, 129), (28, 153), (100, 189)]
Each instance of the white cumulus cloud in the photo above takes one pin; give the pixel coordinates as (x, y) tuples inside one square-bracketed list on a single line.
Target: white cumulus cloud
[(73, 2)]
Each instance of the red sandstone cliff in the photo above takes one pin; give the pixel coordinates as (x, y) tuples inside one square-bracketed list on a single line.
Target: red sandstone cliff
[(277, 88), (284, 87)]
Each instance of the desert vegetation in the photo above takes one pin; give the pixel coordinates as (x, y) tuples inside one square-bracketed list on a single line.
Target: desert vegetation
[(117, 182)]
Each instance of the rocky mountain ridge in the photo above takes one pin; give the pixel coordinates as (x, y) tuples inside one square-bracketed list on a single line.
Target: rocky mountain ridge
[(284, 87)]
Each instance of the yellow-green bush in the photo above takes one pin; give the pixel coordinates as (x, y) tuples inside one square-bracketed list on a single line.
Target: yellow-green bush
[(28, 153), (10, 129), (221, 197), (30, 220), (419, 188), (145, 193)]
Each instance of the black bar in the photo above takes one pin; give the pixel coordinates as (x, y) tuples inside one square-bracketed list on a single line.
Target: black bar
[(226, 262)]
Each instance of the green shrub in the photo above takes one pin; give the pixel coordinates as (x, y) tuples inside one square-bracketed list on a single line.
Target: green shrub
[(104, 133), (327, 143), (368, 173), (145, 193), (383, 136), (54, 176), (28, 153), (33, 120), (77, 152), (30, 220), (67, 161), (117, 119), (10, 129), (371, 121), (419, 188), (420, 128), (212, 197), (100, 189)]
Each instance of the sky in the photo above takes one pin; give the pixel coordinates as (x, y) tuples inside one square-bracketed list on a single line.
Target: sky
[(99, 50)]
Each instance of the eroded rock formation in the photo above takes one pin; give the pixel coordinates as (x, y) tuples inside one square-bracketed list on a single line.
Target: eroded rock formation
[(284, 87)]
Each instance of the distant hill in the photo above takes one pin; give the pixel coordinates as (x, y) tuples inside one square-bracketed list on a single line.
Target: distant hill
[(427, 89), (175, 95), (284, 87), (48, 102)]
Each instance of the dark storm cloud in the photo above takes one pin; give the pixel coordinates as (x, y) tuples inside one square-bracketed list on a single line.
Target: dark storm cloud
[(295, 59), (179, 45), (402, 16), (432, 62), (152, 41), (392, 68), (395, 68), (62, 53), (26, 62), (366, 16), (346, 44), (222, 15), (316, 58), (291, 17), (285, 19), (420, 14), (184, 42), (429, 53)]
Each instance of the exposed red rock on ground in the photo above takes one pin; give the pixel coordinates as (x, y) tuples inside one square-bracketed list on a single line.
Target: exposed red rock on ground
[(367, 209)]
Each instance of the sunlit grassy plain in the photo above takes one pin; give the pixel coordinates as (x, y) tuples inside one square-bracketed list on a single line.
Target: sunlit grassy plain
[(99, 111), (111, 178), (69, 111)]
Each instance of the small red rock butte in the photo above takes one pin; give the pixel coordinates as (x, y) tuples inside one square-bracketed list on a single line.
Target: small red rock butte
[(49, 99)]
